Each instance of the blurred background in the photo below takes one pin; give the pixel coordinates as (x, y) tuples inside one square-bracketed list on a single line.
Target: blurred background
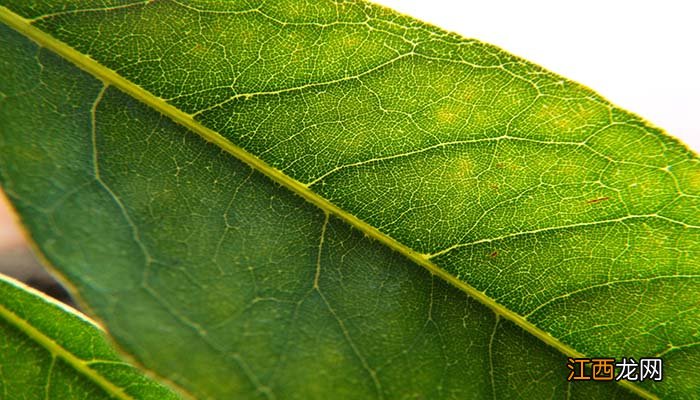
[(642, 55), (17, 259)]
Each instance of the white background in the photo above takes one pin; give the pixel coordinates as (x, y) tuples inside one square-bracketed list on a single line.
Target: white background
[(643, 56)]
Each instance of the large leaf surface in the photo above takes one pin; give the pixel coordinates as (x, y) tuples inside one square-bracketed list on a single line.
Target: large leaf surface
[(563, 214), (49, 351), (231, 286)]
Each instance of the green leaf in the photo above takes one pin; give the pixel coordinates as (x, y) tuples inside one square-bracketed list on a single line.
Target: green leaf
[(349, 147), (50, 351)]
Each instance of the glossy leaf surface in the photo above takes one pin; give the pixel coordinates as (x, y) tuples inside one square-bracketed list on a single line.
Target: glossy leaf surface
[(50, 351)]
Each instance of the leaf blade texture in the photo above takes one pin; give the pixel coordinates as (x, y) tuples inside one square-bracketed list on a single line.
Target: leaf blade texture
[(528, 190), (51, 351)]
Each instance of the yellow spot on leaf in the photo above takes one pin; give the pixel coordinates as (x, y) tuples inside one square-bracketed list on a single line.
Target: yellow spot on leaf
[(352, 41), (462, 168), (447, 114), (694, 181)]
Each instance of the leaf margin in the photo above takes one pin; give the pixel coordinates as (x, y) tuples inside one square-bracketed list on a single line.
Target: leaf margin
[(109, 77), (80, 366)]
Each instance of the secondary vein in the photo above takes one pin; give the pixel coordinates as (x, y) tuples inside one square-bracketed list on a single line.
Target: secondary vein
[(112, 78)]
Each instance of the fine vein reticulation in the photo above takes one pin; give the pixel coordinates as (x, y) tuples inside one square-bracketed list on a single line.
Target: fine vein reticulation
[(562, 213)]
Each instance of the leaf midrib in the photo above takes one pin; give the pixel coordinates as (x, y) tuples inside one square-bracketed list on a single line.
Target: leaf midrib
[(53, 347), (112, 78)]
